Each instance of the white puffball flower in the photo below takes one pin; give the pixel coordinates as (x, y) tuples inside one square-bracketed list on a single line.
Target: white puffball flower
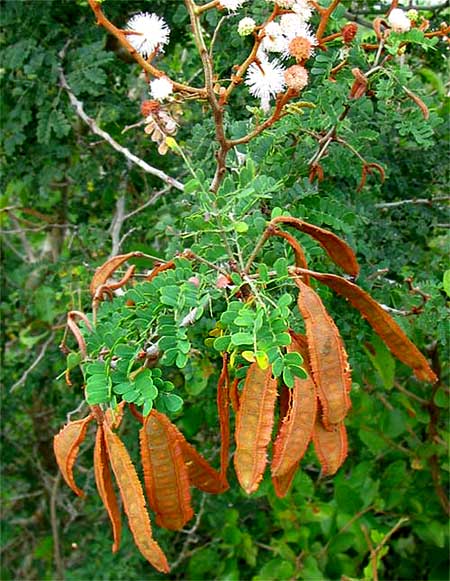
[(398, 21), (291, 25), (273, 40), (152, 32), (161, 88), (231, 5), (246, 26), (265, 80), (303, 9)]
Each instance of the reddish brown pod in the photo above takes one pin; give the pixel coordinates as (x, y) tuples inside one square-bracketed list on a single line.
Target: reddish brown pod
[(327, 356), (165, 472), (330, 446), (297, 425), (254, 423)]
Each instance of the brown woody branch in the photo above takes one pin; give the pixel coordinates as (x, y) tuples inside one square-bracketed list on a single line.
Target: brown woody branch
[(148, 67)]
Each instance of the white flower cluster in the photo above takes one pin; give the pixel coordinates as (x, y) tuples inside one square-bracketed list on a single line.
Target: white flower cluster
[(290, 36), (399, 21)]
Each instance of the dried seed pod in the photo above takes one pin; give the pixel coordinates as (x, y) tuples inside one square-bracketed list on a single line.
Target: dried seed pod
[(223, 407), (165, 472), (254, 422), (338, 250), (282, 483), (296, 427), (200, 472), (160, 268), (331, 447), (300, 258), (66, 445), (234, 395), (327, 357), (107, 269), (133, 501), (381, 322), (105, 487)]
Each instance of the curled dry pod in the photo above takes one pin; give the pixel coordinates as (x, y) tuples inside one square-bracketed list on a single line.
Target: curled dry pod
[(331, 447), (338, 250), (327, 357), (66, 445), (223, 407), (383, 324), (133, 501), (254, 422), (165, 473), (160, 268), (108, 268), (103, 479), (296, 427), (300, 258)]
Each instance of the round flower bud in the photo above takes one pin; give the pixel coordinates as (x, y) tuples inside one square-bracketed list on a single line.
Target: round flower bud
[(300, 48), (413, 15), (246, 26), (349, 32), (296, 77)]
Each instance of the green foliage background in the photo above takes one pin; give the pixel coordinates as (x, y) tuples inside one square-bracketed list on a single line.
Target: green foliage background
[(398, 428)]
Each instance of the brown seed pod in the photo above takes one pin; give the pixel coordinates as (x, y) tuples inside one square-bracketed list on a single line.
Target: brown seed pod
[(338, 250), (105, 488), (66, 445), (331, 447), (165, 472), (327, 356), (254, 422), (223, 407), (381, 322), (133, 501), (296, 427)]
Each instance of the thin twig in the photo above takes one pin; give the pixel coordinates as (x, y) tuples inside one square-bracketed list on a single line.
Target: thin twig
[(79, 110), (373, 555), (345, 527), (76, 410), (35, 363), (116, 225), (410, 394), (426, 201), (190, 538), (152, 200), (29, 254), (11, 246), (215, 34)]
